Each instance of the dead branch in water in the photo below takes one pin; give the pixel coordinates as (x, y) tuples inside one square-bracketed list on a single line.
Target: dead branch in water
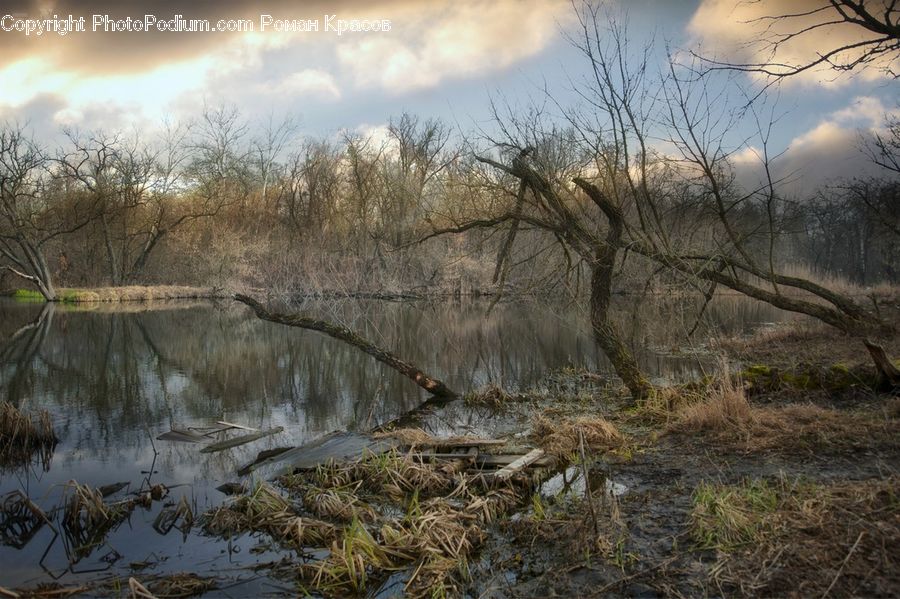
[(430, 384)]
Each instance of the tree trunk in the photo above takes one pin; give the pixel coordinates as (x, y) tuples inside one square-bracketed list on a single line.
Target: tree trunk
[(888, 374), (601, 296), (429, 384), (607, 335), (114, 274)]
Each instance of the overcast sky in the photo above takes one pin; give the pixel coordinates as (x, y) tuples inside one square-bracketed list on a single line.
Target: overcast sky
[(441, 58)]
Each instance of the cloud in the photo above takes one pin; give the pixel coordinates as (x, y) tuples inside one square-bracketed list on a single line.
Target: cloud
[(148, 74), (444, 40), (737, 31), (829, 151), (308, 82)]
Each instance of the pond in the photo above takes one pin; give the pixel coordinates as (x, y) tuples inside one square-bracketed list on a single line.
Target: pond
[(114, 377)]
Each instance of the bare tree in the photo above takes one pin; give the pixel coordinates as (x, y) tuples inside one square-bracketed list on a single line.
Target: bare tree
[(873, 24), (539, 178), (91, 162), (268, 147), (417, 160), (32, 211), (884, 147)]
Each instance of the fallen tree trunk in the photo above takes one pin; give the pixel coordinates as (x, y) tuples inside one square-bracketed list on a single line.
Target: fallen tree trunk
[(430, 384)]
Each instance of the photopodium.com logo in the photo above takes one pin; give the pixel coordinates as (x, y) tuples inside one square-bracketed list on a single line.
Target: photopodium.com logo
[(62, 26)]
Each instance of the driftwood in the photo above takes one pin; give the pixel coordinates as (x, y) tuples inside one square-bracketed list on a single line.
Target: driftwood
[(428, 383)]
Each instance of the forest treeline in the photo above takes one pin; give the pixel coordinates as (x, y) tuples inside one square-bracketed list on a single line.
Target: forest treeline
[(223, 201)]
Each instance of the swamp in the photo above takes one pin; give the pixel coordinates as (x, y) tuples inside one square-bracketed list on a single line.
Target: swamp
[(462, 299), (691, 491)]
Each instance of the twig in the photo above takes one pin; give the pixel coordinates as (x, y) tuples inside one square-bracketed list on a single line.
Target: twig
[(844, 563), (587, 485), (646, 570)]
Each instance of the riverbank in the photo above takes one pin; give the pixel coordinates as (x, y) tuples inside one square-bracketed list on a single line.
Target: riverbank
[(729, 488), (131, 293)]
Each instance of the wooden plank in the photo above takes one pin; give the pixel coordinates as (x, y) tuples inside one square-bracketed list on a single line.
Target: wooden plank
[(338, 447), (239, 426), (464, 443), (500, 460), (519, 464), (267, 455), (229, 443), (182, 435)]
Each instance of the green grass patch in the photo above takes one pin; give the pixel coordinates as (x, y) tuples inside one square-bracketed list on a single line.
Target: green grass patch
[(27, 295), (727, 517)]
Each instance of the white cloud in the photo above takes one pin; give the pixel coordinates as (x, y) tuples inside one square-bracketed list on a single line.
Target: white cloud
[(829, 151), (308, 82), (378, 135), (150, 93), (441, 42)]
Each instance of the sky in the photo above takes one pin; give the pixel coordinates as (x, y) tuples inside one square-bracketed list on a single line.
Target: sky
[(434, 58)]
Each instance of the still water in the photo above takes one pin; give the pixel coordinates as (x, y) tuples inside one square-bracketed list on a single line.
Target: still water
[(113, 377)]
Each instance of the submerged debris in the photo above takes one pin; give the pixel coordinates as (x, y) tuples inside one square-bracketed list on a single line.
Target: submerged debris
[(20, 519), (170, 587), (179, 516), (242, 440), (22, 436), (202, 434), (87, 518)]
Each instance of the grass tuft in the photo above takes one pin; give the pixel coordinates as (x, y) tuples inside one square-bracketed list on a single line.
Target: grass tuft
[(24, 436), (563, 438)]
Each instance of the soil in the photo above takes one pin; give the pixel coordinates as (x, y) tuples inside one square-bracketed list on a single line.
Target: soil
[(645, 544)]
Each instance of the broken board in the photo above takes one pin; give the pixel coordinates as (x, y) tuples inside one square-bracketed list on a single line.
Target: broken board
[(518, 465), (338, 447), (242, 440)]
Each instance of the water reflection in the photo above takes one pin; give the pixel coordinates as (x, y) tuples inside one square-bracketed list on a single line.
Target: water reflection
[(114, 377), (109, 374)]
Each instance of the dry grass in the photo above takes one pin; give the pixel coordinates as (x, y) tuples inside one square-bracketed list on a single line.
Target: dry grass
[(416, 438), (724, 413), (338, 503), (266, 510), (663, 405), (87, 518), (491, 396), (24, 436), (840, 284), (809, 426), (725, 409), (135, 293), (410, 437), (439, 538), (433, 541), (387, 513), (395, 473), (792, 538), (563, 438)]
